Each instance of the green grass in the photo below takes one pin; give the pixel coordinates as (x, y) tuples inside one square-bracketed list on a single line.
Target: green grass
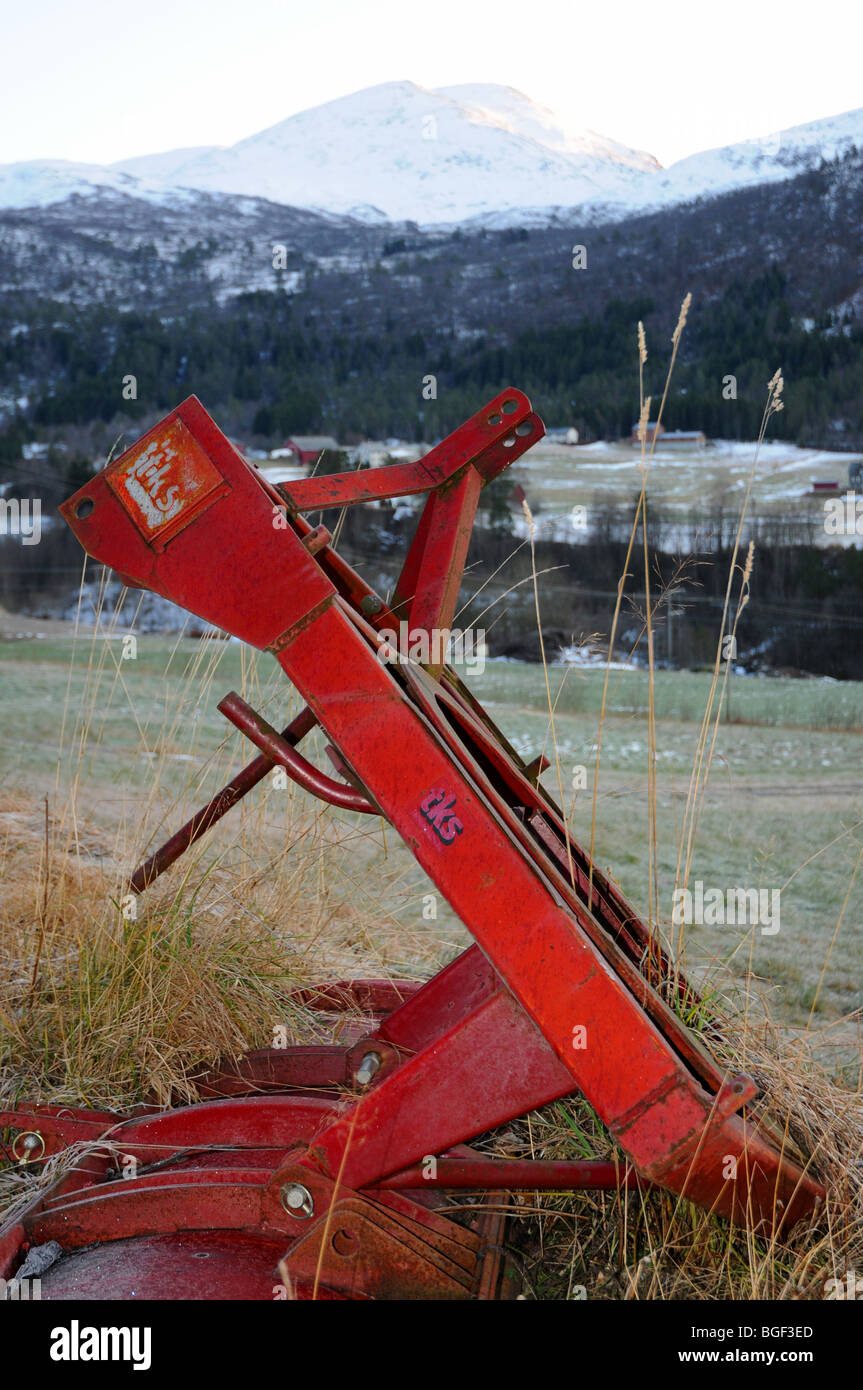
[(679, 695), (784, 786), (287, 890)]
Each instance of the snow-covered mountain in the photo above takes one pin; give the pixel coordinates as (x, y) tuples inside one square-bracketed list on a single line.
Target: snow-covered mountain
[(41, 182), (765, 159), (401, 152)]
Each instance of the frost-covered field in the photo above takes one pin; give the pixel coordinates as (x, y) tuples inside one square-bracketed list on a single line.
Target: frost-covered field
[(783, 807), (682, 480), (687, 480)]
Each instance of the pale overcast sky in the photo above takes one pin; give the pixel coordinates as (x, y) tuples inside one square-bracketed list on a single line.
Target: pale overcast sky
[(99, 80)]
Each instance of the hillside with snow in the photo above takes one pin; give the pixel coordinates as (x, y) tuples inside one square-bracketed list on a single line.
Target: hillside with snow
[(400, 152)]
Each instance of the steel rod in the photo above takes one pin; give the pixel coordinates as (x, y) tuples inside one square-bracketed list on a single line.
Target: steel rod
[(279, 751), (221, 803), (497, 1174)]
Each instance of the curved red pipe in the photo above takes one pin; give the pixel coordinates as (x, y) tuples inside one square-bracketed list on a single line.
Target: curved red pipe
[(298, 768)]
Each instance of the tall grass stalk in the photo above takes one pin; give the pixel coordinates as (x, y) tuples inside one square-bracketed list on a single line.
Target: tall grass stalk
[(712, 713), (639, 514)]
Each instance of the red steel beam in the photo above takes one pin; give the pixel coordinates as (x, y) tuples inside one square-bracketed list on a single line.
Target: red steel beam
[(446, 531), (502, 430), (580, 1018), (501, 1174)]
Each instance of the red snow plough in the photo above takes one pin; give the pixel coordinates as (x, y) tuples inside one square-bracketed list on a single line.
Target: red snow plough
[(347, 1170)]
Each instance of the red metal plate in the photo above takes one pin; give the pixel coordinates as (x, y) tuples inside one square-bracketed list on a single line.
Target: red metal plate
[(192, 1265), (166, 482)]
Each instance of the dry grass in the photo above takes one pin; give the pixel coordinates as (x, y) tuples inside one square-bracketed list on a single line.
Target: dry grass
[(657, 1246), (125, 1009), (104, 1009), (653, 1245), (117, 1009), (106, 999)]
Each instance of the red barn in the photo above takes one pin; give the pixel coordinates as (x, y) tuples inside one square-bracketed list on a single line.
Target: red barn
[(309, 447), (652, 430)]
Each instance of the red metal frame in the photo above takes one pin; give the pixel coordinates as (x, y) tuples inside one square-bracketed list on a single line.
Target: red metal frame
[(566, 991)]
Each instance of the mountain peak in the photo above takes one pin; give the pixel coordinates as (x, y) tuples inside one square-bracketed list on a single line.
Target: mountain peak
[(403, 152), (418, 154)]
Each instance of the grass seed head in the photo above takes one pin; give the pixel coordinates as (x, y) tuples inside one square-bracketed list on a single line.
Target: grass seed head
[(681, 321)]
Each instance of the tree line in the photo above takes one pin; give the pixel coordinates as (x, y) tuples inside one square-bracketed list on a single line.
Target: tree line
[(268, 366)]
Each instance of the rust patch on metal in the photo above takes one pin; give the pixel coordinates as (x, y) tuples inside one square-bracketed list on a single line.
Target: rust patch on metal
[(286, 637)]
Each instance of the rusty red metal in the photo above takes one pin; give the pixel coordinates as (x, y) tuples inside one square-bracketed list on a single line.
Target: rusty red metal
[(340, 1156), (278, 751), (456, 1172), (202, 820)]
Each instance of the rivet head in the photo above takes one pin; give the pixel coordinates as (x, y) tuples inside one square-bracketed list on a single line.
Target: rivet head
[(371, 604), (297, 1200)]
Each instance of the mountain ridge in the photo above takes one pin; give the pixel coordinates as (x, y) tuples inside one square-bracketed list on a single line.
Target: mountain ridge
[(399, 152)]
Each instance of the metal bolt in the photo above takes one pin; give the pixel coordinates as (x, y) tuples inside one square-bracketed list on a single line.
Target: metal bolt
[(371, 604), (368, 1068), (24, 1146), (297, 1200)]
